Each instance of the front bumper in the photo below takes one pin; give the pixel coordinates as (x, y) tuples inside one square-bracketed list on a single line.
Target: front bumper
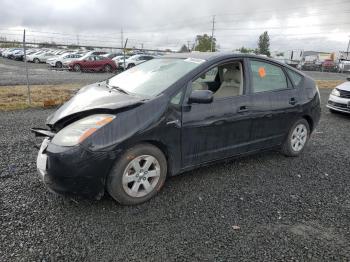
[(339, 104), (73, 170), (51, 63)]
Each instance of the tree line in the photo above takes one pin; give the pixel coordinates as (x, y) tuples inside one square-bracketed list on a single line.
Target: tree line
[(204, 43)]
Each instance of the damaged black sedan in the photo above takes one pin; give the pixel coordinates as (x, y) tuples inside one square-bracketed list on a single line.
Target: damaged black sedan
[(170, 115)]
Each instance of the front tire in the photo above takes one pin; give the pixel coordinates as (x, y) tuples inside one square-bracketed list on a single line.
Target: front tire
[(59, 64), (130, 66), (138, 175), (36, 60), (297, 138), (77, 68)]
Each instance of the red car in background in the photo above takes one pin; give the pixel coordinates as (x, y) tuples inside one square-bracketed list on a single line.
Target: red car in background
[(93, 63), (328, 65)]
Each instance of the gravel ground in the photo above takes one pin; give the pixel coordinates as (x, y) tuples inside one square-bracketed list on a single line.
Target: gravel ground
[(13, 73), (264, 207)]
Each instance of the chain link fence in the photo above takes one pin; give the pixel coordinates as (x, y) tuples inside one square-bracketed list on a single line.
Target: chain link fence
[(37, 74)]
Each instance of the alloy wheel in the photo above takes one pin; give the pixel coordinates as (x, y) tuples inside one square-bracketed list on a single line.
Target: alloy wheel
[(108, 68), (299, 137), (76, 68), (141, 176)]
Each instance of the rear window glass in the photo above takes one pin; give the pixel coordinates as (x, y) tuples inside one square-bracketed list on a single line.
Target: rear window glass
[(267, 77), (295, 77)]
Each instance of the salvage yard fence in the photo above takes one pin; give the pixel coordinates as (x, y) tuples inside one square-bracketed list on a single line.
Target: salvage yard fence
[(48, 83)]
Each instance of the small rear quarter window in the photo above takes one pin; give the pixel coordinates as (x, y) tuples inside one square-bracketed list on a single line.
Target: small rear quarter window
[(295, 77)]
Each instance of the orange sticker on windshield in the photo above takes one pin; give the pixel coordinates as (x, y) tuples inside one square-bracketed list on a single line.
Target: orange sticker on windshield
[(262, 72)]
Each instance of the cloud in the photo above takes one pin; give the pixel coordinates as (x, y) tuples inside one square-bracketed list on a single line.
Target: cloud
[(318, 25)]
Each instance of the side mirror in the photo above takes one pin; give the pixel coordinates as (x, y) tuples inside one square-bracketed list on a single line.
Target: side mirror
[(201, 97)]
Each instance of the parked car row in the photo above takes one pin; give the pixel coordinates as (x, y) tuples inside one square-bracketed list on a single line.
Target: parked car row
[(77, 60), (328, 65)]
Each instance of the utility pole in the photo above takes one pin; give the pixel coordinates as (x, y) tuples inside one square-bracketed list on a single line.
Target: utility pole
[(188, 46), (77, 39), (126, 42), (212, 35)]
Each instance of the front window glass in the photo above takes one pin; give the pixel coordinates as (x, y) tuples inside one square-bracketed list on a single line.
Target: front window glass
[(153, 77), (225, 80)]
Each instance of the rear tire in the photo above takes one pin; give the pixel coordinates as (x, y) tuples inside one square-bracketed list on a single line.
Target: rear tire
[(108, 68), (36, 60), (58, 64), (297, 138), (138, 175)]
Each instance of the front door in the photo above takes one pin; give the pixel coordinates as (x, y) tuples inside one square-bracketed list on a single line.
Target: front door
[(222, 128)]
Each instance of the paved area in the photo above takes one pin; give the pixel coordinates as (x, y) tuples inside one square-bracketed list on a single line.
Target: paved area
[(14, 73)]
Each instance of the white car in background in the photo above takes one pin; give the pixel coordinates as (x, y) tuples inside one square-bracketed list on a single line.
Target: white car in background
[(134, 60), (344, 66), (8, 52), (339, 99), (39, 57), (30, 57), (61, 60), (120, 58)]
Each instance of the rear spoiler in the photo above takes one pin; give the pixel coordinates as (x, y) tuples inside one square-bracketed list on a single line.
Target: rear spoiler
[(42, 132)]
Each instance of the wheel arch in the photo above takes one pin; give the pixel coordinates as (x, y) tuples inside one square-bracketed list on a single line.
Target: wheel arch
[(163, 148), (309, 121)]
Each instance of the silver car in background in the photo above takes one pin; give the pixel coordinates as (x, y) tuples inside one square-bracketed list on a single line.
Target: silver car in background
[(62, 60), (339, 99)]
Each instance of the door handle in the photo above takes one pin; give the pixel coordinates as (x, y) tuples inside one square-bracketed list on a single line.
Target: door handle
[(292, 101), (174, 122), (242, 109)]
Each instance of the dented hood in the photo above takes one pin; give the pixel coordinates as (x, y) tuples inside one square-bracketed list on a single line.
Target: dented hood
[(95, 96)]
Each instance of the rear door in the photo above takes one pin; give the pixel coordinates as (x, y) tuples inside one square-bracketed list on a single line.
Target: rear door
[(275, 103), (100, 62)]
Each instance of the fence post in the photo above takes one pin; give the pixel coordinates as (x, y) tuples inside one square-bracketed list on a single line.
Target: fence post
[(124, 52), (26, 66)]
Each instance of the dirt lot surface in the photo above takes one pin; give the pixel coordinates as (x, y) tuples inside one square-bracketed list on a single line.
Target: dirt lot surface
[(264, 207)]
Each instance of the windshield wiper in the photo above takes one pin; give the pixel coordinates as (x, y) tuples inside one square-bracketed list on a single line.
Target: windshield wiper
[(116, 88)]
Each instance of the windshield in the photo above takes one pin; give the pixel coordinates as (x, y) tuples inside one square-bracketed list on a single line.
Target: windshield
[(153, 77)]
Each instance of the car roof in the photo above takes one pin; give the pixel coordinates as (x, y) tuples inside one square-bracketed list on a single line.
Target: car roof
[(214, 55)]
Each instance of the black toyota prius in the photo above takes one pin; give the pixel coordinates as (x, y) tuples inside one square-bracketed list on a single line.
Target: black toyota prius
[(169, 115)]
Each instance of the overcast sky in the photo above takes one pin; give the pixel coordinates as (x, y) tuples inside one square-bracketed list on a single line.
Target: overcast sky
[(310, 25)]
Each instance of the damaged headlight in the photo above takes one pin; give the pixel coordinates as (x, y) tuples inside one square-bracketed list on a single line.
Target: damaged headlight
[(335, 92), (78, 131)]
